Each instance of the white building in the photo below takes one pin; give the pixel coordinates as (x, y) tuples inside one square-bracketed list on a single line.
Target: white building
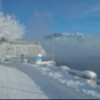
[(18, 48)]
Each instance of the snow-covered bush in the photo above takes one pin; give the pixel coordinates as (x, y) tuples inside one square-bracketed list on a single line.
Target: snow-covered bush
[(10, 28)]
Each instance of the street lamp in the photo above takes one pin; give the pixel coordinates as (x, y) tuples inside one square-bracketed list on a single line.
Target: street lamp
[(52, 51)]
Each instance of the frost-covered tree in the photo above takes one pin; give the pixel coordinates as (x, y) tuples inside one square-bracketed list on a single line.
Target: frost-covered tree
[(10, 28)]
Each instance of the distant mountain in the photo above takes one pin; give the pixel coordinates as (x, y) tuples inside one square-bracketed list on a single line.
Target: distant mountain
[(67, 35), (54, 35)]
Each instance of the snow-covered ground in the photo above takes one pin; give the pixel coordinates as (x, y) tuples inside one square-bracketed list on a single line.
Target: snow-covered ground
[(19, 80), (16, 84)]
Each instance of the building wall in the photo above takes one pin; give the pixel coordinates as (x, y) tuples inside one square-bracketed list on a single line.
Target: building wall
[(17, 49)]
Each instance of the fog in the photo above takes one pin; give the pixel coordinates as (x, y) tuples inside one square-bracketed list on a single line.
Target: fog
[(77, 53), (64, 46), (75, 48), (37, 26)]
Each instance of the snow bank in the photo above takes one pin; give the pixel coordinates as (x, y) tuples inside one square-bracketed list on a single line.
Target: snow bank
[(61, 74), (90, 74)]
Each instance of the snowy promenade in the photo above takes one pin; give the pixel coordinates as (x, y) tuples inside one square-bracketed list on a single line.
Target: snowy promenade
[(22, 81), (16, 84)]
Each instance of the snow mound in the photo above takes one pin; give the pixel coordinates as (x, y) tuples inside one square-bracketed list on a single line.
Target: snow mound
[(90, 74), (64, 68)]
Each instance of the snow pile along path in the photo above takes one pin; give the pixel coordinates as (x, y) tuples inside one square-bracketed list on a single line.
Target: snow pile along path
[(89, 87)]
